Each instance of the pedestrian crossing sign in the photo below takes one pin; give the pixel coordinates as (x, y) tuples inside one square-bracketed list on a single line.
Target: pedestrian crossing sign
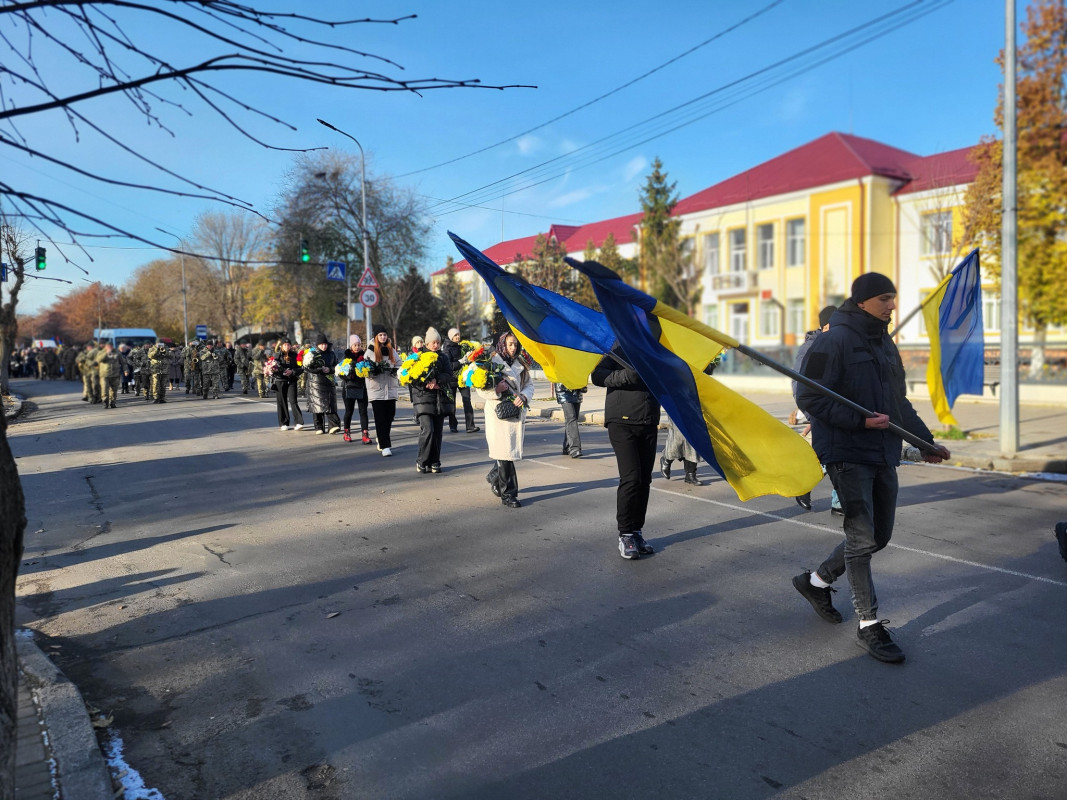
[(335, 270)]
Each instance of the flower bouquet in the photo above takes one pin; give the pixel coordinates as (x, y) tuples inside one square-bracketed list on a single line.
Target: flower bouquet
[(311, 359), (361, 369), (419, 367), (343, 369), (270, 369)]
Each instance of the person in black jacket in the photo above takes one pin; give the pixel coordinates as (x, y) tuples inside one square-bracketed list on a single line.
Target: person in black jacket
[(322, 397), (430, 397), (454, 351), (354, 391), (631, 415), (286, 374), (857, 359)]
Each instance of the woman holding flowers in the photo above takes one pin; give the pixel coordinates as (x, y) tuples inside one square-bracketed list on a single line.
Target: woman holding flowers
[(353, 373), (318, 364), (382, 386), (429, 376), (283, 368), (507, 381)]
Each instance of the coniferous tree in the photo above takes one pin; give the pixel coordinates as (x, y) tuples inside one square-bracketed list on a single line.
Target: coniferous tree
[(668, 272)]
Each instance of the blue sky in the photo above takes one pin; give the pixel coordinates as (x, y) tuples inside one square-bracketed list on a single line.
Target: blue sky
[(926, 87)]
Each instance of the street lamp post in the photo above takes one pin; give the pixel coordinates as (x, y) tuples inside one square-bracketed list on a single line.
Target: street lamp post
[(363, 225), (185, 300)]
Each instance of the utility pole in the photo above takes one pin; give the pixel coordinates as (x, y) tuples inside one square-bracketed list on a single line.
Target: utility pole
[(185, 299), (1009, 298)]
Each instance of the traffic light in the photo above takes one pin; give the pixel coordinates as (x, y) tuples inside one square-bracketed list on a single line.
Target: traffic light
[(40, 257), (340, 306), (305, 252)]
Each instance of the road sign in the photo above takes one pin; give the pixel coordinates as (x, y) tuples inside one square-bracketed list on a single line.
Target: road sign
[(3, 273), (368, 281), (201, 331), (335, 270), (369, 298)]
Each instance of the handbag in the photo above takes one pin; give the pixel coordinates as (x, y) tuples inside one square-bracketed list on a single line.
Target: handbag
[(506, 409)]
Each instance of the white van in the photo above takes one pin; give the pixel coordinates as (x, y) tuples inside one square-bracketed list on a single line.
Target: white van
[(129, 336)]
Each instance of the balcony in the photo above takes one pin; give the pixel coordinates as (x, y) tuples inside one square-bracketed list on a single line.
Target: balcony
[(732, 283)]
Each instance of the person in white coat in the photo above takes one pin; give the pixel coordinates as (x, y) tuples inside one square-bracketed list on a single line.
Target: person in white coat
[(505, 436), (382, 387)]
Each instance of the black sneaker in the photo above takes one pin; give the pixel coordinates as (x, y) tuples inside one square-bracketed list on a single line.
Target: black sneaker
[(420, 468), (875, 639), (643, 547), (1061, 537), (804, 501), (837, 512), (628, 546), (819, 598), (435, 469), (492, 486)]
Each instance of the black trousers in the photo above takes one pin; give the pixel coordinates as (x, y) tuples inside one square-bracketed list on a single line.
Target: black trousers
[(431, 427), (286, 399), (635, 452), (350, 406), (504, 478), (384, 411), (468, 411)]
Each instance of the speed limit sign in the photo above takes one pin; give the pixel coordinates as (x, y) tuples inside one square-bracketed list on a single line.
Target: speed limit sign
[(369, 298)]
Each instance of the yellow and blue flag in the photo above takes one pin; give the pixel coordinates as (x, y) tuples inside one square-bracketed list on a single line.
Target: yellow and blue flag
[(953, 315), (566, 338), (754, 452)]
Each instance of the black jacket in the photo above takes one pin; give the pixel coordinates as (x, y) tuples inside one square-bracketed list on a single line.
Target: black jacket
[(857, 359), (628, 401), (435, 401), (287, 361), (321, 396)]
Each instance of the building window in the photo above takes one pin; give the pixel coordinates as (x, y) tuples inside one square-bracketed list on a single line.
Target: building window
[(769, 316), (711, 315), (765, 246), (937, 233), (737, 250), (795, 322), (794, 243), (990, 311), (711, 254)]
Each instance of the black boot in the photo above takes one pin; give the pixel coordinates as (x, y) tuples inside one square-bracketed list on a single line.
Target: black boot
[(691, 474), (665, 468)]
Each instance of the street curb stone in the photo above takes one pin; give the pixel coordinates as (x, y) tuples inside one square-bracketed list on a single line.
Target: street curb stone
[(83, 773)]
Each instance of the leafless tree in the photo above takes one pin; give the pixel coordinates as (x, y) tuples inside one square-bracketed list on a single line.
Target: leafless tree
[(234, 239)]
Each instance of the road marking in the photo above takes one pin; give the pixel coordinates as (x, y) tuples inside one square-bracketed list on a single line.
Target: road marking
[(792, 521)]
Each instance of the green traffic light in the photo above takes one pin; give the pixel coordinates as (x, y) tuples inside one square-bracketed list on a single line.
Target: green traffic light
[(40, 257), (305, 252)]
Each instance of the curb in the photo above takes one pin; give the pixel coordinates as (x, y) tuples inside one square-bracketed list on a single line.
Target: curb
[(83, 774)]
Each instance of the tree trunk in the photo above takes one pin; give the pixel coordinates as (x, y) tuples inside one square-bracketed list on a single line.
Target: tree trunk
[(12, 524), (1037, 352)]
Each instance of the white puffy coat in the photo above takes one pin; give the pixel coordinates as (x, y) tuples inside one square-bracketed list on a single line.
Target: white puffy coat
[(385, 385), (504, 436)]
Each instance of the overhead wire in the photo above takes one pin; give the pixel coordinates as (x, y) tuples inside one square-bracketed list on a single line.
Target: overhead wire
[(693, 110), (604, 96)]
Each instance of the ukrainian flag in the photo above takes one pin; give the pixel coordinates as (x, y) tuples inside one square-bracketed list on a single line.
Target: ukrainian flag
[(564, 337), (754, 452), (953, 315)]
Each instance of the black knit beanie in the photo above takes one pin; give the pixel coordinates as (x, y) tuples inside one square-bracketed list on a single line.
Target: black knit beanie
[(871, 284)]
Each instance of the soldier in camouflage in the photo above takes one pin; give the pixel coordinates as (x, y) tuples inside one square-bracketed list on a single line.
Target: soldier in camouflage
[(110, 364), (83, 363), (259, 357), (191, 359), (243, 361), (222, 353), (210, 371), (159, 365)]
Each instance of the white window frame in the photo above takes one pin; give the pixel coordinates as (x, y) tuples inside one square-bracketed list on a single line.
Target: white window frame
[(936, 233), (796, 317), (711, 315), (738, 254), (711, 253), (770, 316), (795, 242), (990, 311), (765, 246)]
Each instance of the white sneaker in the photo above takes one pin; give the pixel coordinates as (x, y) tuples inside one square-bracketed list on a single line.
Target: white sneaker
[(285, 428), (387, 451), (298, 427), (319, 433), (334, 429)]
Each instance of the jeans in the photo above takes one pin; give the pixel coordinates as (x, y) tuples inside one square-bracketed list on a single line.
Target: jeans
[(868, 495), (572, 441), (635, 452)]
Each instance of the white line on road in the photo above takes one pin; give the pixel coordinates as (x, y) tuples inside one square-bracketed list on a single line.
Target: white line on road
[(791, 521)]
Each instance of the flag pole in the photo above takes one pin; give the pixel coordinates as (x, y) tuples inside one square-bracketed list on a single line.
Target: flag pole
[(907, 436)]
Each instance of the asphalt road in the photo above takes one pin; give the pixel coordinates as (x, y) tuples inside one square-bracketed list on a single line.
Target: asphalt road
[(283, 615)]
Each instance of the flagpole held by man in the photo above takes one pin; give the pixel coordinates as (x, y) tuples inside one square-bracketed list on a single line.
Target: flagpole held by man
[(857, 359)]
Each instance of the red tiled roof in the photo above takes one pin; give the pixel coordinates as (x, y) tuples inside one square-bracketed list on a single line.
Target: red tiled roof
[(501, 253), (939, 170), (829, 159), (597, 232)]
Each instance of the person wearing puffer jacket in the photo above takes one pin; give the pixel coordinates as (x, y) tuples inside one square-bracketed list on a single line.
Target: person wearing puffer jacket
[(382, 387), (431, 401)]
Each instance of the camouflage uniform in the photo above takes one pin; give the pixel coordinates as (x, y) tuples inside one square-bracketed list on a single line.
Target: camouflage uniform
[(191, 359), (222, 353), (139, 364), (258, 355), (66, 359), (83, 372), (90, 382), (159, 360), (212, 375), (109, 366), (243, 361)]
